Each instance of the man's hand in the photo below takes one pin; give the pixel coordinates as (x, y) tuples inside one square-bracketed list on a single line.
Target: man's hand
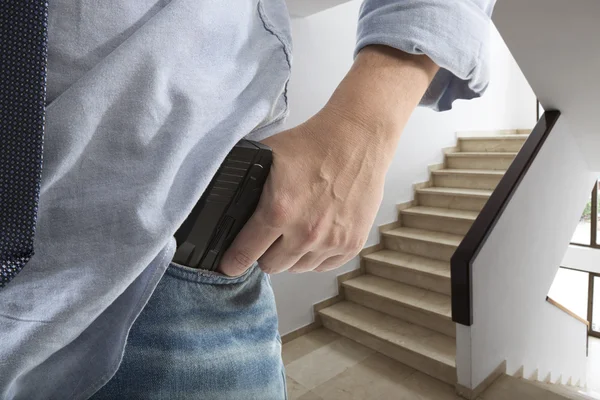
[(326, 181)]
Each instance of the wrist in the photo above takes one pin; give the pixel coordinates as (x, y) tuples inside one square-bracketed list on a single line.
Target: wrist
[(380, 92)]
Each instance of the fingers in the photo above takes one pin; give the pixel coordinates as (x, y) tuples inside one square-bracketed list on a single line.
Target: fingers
[(333, 263), (249, 245), (282, 255), (310, 261)]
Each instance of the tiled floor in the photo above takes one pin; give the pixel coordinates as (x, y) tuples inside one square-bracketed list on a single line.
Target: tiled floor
[(325, 366)]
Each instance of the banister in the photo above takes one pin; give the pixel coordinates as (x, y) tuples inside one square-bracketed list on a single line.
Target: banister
[(462, 260)]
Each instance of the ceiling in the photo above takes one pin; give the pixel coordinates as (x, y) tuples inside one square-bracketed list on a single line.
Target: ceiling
[(557, 46), (304, 8)]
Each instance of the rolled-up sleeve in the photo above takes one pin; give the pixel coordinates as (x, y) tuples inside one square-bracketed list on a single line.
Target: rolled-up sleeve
[(455, 34)]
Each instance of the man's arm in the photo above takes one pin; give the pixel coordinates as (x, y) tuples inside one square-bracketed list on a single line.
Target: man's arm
[(454, 34), (326, 182)]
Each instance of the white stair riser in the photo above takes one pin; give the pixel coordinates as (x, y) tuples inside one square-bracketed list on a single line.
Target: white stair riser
[(480, 162), (436, 223), (466, 181), (416, 278), (449, 201), (406, 356), (492, 145), (402, 311), (433, 250)]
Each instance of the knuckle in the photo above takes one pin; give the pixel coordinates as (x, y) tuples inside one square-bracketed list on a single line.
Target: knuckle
[(332, 242), (242, 259), (278, 212), (310, 234)]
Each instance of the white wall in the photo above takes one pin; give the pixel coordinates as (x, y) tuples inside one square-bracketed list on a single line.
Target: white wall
[(304, 8), (583, 258), (323, 48), (516, 266)]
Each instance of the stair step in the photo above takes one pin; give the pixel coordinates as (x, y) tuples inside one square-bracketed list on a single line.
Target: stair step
[(416, 305), (457, 192), (432, 244), (423, 349), (469, 172), (467, 178), (418, 271), (461, 215), (480, 160), (447, 239), (493, 133), (453, 198), (439, 219), (500, 143)]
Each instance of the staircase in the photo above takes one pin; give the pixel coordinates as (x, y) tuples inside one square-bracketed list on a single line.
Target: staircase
[(400, 306)]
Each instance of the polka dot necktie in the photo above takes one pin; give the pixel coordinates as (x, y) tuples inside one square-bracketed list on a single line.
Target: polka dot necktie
[(23, 66)]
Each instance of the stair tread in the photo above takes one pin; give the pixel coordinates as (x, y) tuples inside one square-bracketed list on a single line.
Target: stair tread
[(399, 259), (468, 154), (416, 338), (450, 171), (457, 191), (449, 239), (441, 212), (496, 137), (415, 297)]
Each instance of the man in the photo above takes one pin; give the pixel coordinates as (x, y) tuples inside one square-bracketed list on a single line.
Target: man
[(145, 99)]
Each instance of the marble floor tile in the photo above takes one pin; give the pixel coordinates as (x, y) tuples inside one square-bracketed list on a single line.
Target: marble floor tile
[(305, 344), (310, 396), (420, 386), (294, 389), (510, 388), (377, 377), (322, 364)]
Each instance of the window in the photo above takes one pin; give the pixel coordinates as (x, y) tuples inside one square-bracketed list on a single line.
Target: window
[(594, 313), (586, 233), (571, 289)]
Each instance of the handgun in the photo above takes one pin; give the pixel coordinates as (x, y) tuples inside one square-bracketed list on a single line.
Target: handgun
[(225, 206)]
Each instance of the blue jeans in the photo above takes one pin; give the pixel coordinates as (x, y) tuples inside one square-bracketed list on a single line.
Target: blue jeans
[(203, 335)]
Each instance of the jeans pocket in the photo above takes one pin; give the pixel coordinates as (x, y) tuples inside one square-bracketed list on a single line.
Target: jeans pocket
[(203, 276)]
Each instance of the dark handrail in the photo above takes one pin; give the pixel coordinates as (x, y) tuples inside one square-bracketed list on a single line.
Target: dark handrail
[(462, 260)]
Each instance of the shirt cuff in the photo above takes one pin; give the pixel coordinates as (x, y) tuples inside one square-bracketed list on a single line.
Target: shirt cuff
[(454, 34)]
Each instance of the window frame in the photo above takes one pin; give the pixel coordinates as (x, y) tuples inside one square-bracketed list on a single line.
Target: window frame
[(594, 221)]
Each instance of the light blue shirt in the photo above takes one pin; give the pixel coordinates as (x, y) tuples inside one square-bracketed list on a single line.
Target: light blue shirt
[(145, 99)]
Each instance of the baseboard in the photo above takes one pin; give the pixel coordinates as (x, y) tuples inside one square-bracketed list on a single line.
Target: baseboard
[(519, 372), (435, 167), (472, 394), (288, 337), (371, 249), (389, 227), (422, 185), (534, 376)]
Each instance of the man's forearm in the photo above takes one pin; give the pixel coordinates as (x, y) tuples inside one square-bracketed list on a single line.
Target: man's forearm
[(327, 178), (381, 91)]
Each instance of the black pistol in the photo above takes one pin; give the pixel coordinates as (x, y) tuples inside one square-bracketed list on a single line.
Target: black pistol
[(224, 208)]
